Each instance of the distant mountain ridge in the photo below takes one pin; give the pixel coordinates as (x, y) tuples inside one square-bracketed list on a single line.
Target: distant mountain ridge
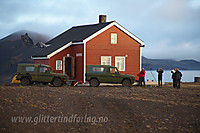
[(36, 37), (18, 48), (169, 64)]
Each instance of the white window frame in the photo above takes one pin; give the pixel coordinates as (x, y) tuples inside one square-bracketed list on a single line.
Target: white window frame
[(113, 37), (103, 61), (124, 58), (58, 64)]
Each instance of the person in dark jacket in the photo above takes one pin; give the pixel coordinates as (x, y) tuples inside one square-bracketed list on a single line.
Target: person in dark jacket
[(178, 76), (160, 72), (173, 77), (141, 77)]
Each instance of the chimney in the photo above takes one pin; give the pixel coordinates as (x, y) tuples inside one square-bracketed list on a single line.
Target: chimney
[(102, 19)]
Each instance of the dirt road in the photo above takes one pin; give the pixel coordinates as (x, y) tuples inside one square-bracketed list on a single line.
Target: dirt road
[(100, 109)]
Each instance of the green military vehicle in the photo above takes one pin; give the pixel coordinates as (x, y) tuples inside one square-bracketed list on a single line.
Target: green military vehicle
[(39, 73), (97, 74)]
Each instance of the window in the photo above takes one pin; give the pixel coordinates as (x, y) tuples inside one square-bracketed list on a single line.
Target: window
[(113, 38), (58, 64), (44, 69), (97, 69), (113, 70), (105, 60), (28, 68), (120, 62)]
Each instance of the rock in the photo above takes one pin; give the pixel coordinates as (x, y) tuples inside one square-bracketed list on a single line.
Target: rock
[(26, 40)]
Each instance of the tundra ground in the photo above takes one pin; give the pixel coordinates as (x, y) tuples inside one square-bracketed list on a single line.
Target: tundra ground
[(100, 109)]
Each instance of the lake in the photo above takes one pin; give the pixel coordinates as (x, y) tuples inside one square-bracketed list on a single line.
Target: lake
[(188, 75)]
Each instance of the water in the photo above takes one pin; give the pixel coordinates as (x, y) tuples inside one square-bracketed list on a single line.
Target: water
[(188, 75)]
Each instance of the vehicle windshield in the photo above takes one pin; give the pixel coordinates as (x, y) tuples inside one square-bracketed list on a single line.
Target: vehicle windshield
[(50, 69), (114, 70), (117, 71)]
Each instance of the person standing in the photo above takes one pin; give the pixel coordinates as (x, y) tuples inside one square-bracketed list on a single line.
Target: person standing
[(178, 76), (141, 77), (173, 77), (160, 72)]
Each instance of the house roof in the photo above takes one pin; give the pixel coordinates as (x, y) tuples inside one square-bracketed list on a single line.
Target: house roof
[(74, 34), (78, 34)]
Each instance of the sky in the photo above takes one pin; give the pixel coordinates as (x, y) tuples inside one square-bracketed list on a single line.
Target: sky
[(170, 29)]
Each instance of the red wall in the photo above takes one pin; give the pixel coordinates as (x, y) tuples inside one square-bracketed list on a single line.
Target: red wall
[(72, 50), (79, 61), (101, 46), (41, 61)]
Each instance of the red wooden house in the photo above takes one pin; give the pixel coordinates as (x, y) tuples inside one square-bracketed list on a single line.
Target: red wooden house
[(106, 43)]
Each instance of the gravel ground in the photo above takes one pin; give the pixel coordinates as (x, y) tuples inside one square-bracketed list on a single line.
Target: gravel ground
[(100, 109)]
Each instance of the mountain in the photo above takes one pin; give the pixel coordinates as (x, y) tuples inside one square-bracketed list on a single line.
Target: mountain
[(169, 64), (18, 48), (36, 37)]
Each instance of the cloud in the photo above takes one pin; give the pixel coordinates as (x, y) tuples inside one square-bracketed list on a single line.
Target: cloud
[(165, 49)]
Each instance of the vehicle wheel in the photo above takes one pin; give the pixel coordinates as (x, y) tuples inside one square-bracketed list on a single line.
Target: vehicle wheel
[(94, 82), (57, 82), (25, 81), (126, 83)]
